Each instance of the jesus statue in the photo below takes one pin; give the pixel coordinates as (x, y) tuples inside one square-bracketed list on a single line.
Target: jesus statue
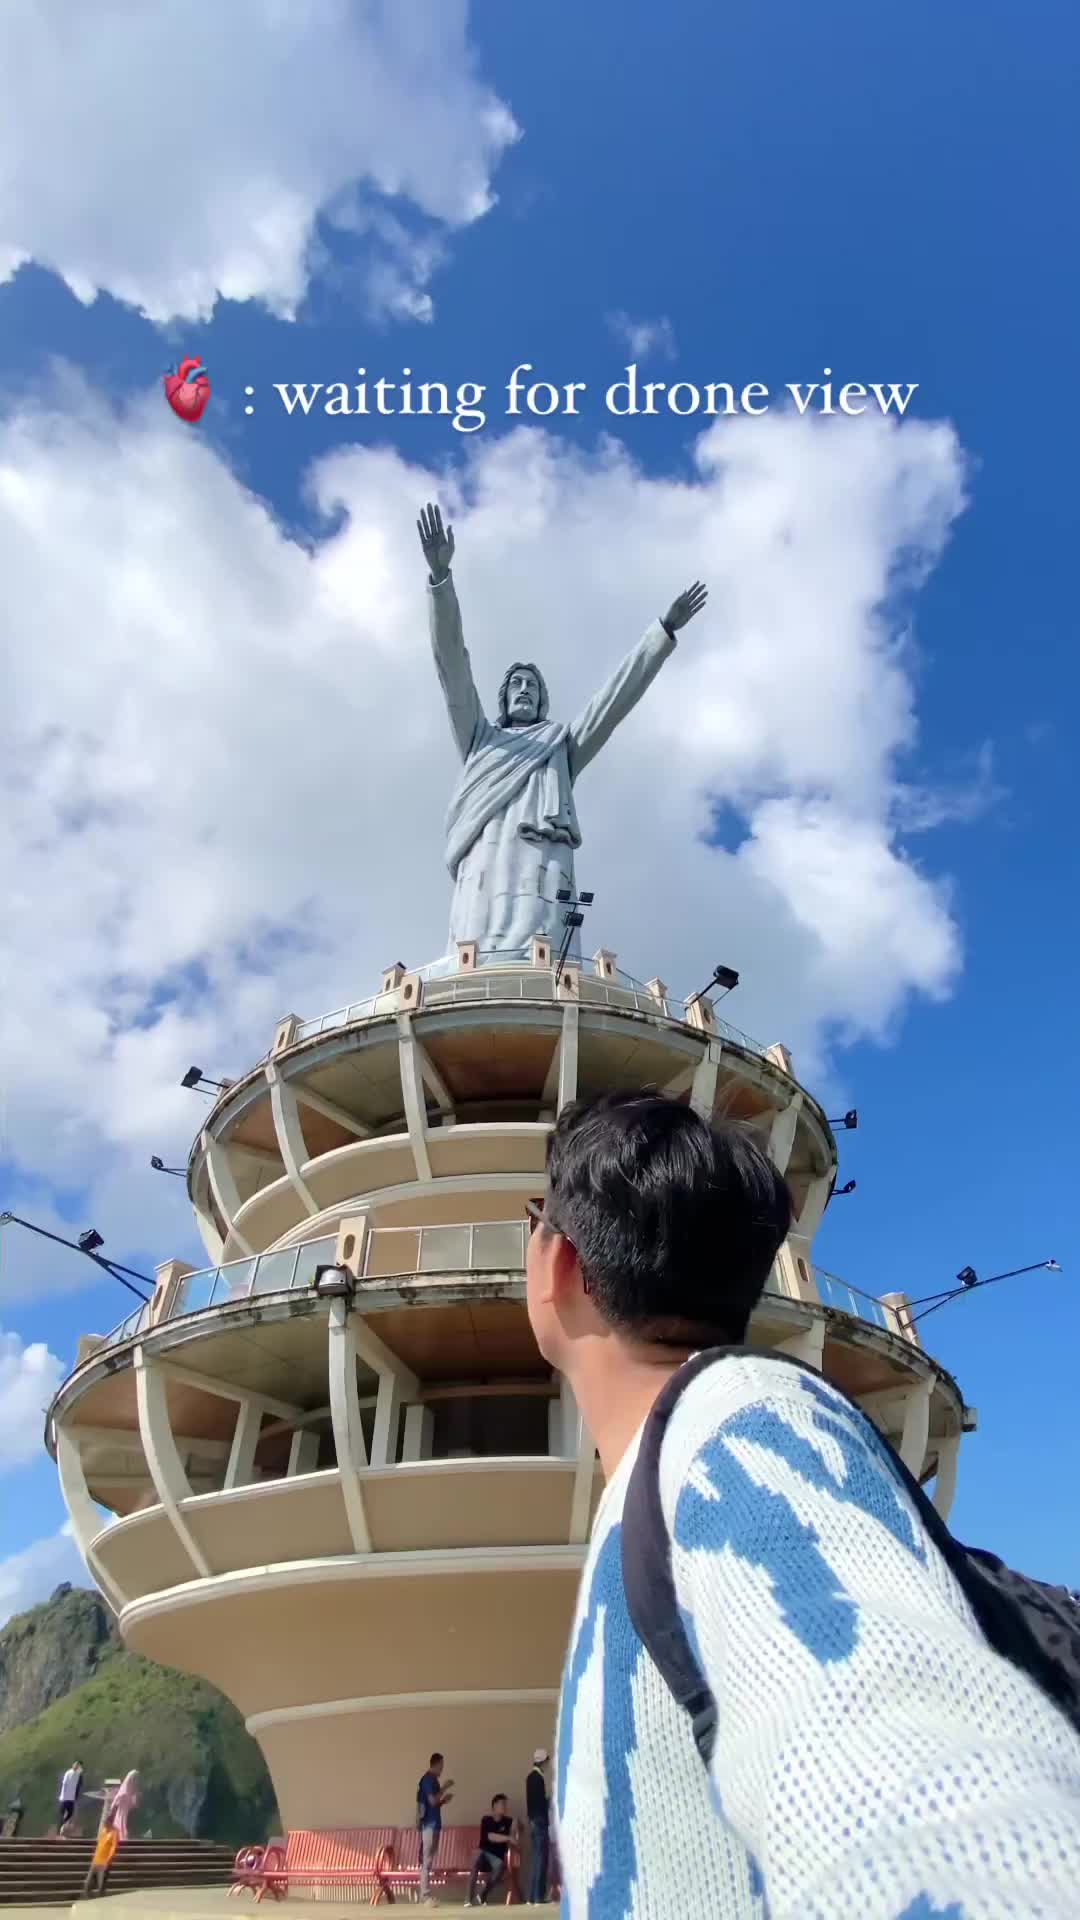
[(512, 827)]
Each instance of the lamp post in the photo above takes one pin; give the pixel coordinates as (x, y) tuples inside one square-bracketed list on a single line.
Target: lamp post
[(572, 920), (87, 1244), (969, 1279)]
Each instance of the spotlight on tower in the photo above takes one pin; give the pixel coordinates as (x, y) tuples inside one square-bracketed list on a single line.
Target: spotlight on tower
[(196, 1078), (724, 978), (90, 1241), (850, 1120), (334, 1283), (159, 1166), (840, 1191)]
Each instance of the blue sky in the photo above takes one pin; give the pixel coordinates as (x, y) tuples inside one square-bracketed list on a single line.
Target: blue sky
[(880, 191)]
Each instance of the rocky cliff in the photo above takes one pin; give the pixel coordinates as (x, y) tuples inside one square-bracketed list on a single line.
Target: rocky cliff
[(69, 1691), (51, 1650)]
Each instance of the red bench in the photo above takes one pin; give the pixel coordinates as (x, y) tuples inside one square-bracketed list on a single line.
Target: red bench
[(371, 1863), (457, 1849), (343, 1861)]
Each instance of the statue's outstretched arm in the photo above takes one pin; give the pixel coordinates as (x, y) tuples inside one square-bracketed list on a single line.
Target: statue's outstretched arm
[(620, 695), (452, 662)]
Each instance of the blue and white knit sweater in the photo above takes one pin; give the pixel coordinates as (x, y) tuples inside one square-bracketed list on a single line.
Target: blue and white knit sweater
[(875, 1759)]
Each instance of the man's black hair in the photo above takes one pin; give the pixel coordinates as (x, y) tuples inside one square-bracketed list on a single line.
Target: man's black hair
[(676, 1223), (436, 1760), (496, 1797)]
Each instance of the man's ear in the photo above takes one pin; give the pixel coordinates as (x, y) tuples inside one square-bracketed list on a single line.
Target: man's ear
[(565, 1271)]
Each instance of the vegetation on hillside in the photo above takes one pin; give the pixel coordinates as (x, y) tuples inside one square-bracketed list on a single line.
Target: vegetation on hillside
[(201, 1773)]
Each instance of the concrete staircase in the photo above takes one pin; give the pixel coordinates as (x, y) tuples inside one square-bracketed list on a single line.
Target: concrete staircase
[(50, 1872)]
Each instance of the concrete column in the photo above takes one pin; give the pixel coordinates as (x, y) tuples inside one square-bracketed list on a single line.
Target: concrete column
[(813, 1207), (898, 1311), (945, 1483), (86, 1522), (916, 1430), (412, 1094), (224, 1189), (808, 1345), (703, 1086), (167, 1277), (290, 1135), (568, 1056), (162, 1456), (240, 1471), (345, 1419), (303, 1453), (782, 1133), (387, 1421), (416, 1441)]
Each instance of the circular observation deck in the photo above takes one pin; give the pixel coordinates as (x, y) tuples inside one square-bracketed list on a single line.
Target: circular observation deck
[(364, 1521)]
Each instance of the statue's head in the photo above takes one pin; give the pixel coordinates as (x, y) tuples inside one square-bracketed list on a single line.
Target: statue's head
[(523, 696)]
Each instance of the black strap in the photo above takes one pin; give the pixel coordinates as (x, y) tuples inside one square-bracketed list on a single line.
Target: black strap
[(649, 1583)]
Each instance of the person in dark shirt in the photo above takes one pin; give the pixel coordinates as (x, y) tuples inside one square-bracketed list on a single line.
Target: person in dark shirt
[(431, 1797), (497, 1830), (537, 1808)]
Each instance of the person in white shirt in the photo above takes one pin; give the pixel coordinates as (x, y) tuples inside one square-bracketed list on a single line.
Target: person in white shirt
[(874, 1758), (70, 1789)]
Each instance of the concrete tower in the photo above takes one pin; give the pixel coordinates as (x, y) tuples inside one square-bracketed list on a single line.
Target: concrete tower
[(363, 1518)]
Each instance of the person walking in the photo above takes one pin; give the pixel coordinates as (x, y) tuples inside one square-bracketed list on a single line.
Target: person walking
[(70, 1789), (537, 1809), (432, 1796), (125, 1800), (497, 1833), (839, 1736), (97, 1878)]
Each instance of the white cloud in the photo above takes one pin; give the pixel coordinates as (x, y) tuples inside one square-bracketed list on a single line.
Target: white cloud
[(643, 337), (170, 158), (225, 778), (29, 1377), (36, 1571)]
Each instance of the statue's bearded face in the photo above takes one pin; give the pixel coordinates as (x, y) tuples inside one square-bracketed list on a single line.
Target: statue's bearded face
[(522, 698)]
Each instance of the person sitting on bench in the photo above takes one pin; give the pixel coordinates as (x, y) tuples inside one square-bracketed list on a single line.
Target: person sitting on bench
[(497, 1830)]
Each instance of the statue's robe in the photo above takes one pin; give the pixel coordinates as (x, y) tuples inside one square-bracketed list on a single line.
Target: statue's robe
[(512, 827)]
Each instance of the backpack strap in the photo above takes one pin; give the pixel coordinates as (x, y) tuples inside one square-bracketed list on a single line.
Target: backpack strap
[(649, 1584), (648, 1581)]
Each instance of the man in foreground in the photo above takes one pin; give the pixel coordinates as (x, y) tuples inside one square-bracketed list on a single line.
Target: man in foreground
[(873, 1755)]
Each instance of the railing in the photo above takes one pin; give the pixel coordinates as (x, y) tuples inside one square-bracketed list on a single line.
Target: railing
[(502, 977), (480, 1246), (863, 1306)]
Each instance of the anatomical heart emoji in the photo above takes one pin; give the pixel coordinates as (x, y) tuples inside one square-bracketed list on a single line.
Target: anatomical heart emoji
[(187, 390)]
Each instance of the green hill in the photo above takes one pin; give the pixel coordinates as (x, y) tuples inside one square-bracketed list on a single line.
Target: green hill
[(201, 1772)]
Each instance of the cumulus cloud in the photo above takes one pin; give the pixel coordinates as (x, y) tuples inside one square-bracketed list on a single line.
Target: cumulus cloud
[(36, 1571), (199, 153), (29, 1377), (642, 337), (224, 784)]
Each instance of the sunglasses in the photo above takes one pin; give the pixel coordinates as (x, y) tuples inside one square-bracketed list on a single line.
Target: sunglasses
[(538, 1218)]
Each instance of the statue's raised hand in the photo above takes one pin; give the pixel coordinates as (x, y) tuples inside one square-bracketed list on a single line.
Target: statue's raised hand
[(437, 542), (685, 607)]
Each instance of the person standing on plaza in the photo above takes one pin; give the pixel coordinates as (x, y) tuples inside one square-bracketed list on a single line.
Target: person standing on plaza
[(97, 1878), (431, 1797), (124, 1802), (70, 1789), (537, 1808)]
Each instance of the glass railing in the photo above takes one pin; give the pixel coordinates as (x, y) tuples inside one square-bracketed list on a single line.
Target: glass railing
[(510, 977), (862, 1306), (471, 1247)]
